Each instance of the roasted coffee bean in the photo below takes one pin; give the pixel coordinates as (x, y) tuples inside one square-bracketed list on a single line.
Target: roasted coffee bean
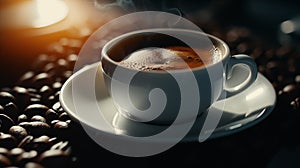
[(4, 161), (4, 151), (22, 97), (296, 103), (35, 109), (46, 91), (5, 122), (16, 152), (35, 101), (67, 74), (51, 115), (32, 90), (62, 65), (72, 58), (57, 86), (35, 127), (60, 146), (297, 79), (38, 118), (1, 110), (41, 143), (292, 90), (7, 140), (56, 106), (27, 79), (54, 158), (43, 139), (18, 132), (33, 165), (12, 111), (26, 157), (26, 142), (22, 118), (42, 60), (42, 79), (68, 121), (53, 122), (35, 95), (54, 98), (64, 116), (5, 98), (61, 125), (49, 67)]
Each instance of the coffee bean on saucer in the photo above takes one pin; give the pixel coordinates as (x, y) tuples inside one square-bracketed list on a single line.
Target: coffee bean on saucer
[(18, 132), (35, 109), (12, 111), (6, 97), (4, 161), (38, 118), (7, 140), (5, 122)]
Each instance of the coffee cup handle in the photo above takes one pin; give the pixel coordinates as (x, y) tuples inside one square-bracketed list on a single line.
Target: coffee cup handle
[(241, 72)]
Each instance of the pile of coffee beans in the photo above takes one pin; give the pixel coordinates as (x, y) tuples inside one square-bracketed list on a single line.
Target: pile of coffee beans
[(35, 131)]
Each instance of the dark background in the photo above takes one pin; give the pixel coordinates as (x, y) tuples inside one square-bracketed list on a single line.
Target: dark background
[(19, 47)]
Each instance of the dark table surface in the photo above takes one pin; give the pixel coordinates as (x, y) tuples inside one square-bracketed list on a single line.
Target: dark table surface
[(250, 27)]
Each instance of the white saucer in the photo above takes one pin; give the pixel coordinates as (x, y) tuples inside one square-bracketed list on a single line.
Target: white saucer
[(240, 111)]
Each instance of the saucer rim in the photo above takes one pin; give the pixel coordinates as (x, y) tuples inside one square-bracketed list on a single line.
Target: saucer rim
[(266, 111)]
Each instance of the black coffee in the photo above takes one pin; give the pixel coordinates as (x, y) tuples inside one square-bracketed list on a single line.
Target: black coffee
[(168, 58)]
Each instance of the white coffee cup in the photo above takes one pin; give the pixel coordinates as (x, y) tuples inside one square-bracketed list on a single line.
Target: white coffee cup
[(156, 96)]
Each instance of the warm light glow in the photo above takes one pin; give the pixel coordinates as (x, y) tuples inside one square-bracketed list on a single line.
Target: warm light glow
[(49, 12)]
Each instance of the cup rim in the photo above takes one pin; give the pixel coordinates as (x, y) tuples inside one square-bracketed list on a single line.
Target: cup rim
[(113, 41)]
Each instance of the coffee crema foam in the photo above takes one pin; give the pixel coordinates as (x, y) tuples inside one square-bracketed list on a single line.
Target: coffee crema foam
[(169, 58)]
